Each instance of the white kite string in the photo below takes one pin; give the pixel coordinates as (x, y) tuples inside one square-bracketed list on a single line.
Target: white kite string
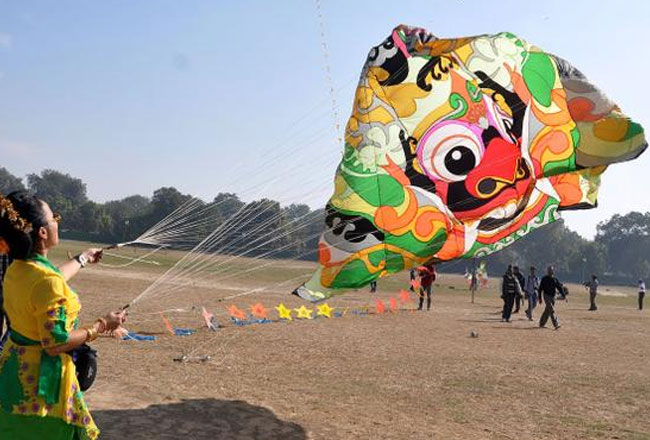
[(141, 259)]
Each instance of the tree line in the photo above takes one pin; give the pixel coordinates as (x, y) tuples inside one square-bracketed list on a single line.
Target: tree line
[(620, 251)]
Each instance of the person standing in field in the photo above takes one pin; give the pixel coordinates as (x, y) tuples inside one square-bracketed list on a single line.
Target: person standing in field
[(531, 286), (427, 277), (373, 286), (547, 288), (510, 289), (473, 282), (41, 396), (641, 294), (593, 292), (519, 299)]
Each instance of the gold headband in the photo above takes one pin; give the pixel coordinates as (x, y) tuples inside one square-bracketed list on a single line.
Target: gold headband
[(7, 210)]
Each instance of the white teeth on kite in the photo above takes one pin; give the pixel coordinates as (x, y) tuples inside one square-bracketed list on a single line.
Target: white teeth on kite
[(510, 209), (497, 213), (503, 211)]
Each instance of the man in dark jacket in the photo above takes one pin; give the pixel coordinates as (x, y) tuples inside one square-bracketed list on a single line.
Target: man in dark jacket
[(427, 277), (547, 288), (510, 289)]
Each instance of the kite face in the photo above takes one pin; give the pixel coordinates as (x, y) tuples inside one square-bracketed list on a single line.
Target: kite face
[(477, 166), (456, 148)]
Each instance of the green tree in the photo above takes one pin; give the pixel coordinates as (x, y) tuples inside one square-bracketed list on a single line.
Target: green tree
[(298, 219), (627, 241), (227, 205), (9, 182), (166, 200), (127, 218), (64, 193)]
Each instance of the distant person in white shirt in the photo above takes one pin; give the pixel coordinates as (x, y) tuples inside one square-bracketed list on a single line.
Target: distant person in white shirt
[(641, 294)]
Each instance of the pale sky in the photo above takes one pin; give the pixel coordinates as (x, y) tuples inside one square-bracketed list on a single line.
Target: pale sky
[(212, 96)]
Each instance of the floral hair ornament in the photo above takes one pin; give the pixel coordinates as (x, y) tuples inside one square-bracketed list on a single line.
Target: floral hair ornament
[(7, 210)]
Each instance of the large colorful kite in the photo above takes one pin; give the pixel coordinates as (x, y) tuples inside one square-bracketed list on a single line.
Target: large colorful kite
[(458, 147)]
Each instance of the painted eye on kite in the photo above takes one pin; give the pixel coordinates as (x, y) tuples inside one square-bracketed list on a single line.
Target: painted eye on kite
[(450, 152)]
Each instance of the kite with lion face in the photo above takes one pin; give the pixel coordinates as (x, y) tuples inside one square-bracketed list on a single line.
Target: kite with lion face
[(458, 147)]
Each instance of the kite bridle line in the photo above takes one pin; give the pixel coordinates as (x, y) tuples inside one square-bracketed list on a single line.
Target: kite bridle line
[(290, 231)]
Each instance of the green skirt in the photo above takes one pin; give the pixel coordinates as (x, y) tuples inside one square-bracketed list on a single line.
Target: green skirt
[(17, 427)]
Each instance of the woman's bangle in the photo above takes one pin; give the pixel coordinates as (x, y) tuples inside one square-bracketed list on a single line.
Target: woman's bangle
[(91, 333), (103, 323)]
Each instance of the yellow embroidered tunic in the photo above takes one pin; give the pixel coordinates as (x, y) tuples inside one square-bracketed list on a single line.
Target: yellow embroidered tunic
[(39, 394)]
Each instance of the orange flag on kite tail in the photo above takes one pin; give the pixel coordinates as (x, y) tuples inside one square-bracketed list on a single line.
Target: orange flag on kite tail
[(169, 327), (259, 311), (236, 312), (380, 307), (405, 296), (393, 304)]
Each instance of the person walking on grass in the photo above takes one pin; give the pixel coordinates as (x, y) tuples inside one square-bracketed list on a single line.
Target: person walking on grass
[(510, 289), (531, 286), (373, 286), (547, 288), (427, 277), (641, 294), (519, 299), (593, 292)]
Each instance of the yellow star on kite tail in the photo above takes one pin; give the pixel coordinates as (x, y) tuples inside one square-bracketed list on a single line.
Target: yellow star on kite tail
[(304, 312), (283, 312), (325, 310)]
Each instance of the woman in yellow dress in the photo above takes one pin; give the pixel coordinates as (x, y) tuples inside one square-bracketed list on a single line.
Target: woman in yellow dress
[(40, 396)]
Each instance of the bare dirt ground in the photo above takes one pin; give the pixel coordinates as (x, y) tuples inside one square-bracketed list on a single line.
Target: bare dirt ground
[(409, 374)]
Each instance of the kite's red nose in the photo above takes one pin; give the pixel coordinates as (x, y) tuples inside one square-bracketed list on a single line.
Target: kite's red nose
[(500, 167)]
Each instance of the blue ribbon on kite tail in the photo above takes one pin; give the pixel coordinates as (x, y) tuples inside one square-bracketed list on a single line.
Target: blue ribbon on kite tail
[(138, 337), (184, 331)]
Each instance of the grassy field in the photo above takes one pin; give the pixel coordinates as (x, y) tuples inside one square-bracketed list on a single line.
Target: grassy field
[(397, 375)]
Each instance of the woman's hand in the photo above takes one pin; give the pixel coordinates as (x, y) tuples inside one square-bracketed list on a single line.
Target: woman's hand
[(89, 256), (119, 333), (114, 320), (93, 255)]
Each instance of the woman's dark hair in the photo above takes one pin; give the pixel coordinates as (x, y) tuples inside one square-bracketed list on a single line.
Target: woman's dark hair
[(29, 208)]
